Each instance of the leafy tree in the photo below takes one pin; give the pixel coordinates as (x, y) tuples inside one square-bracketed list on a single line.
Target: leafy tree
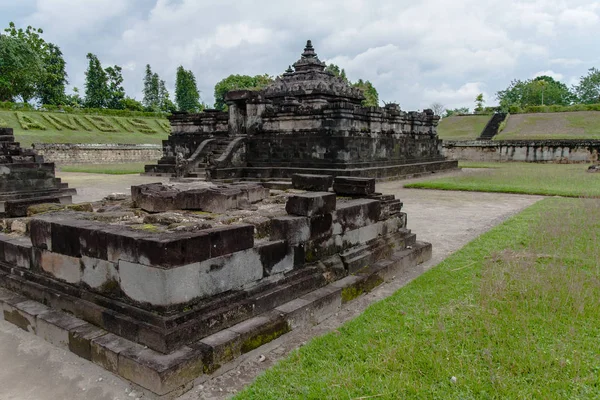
[(20, 69), (151, 89), (457, 111), (543, 90), (164, 99), (51, 87), (479, 101), (96, 84), (187, 96), (588, 90), (131, 104), (74, 100), (370, 93), (337, 71), (116, 92), (51, 80), (238, 82)]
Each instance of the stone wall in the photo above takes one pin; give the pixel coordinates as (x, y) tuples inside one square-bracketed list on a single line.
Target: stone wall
[(98, 153), (552, 151)]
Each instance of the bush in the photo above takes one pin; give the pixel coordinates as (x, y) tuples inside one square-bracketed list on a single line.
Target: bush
[(555, 108), (28, 123)]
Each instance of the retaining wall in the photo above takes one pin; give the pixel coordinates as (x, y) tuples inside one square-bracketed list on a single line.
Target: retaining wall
[(98, 153), (552, 151)]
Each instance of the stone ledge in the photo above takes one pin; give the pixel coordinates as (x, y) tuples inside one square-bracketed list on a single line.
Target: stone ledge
[(166, 376)]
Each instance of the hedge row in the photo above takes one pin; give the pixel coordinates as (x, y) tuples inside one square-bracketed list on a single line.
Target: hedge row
[(10, 106)]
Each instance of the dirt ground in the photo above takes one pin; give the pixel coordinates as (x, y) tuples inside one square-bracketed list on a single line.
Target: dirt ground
[(32, 369)]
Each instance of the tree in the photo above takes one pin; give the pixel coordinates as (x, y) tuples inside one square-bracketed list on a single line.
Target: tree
[(457, 111), (96, 84), (50, 81), (151, 82), (588, 90), (20, 69), (238, 82), (51, 87), (543, 90), (74, 100), (337, 71), (479, 101), (164, 100), (131, 104), (438, 108), (187, 96), (369, 91), (116, 92)]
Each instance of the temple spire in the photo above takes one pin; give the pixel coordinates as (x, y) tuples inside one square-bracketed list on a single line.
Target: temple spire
[(309, 60)]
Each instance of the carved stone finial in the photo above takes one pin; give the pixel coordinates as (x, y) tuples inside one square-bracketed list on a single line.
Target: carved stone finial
[(309, 50), (290, 70)]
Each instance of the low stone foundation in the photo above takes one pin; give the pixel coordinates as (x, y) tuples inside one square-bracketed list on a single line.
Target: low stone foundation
[(72, 153), (551, 151), (161, 297)]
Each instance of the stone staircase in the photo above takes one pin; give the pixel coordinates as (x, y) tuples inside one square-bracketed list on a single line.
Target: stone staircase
[(491, 129), (196, 163), (25, 179)]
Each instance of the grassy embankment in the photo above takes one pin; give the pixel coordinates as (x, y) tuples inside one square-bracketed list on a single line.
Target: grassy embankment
[(52, 127), (462, 127), (559, 125), (512, 315), (570, 180)]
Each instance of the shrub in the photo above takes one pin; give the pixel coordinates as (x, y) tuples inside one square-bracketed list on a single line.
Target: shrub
[(3, 123), (164, 125), (28, 123), (52, 122)]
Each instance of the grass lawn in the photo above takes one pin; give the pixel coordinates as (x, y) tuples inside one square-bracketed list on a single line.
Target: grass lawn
[(560, 125), (69, 128), (512, 315), (569, 180), (112, 169), (462, 127)]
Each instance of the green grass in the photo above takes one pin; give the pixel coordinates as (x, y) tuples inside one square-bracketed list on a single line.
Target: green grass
[(560, 125), (570, 180), (112, 169), (512, 315), (462, 127), (48, 127)]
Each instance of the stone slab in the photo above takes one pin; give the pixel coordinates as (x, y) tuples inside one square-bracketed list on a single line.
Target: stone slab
[(315, 183), (311, 203), (353, 186)]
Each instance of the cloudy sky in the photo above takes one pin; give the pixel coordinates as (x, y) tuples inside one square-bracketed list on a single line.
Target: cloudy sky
[(415, 53)]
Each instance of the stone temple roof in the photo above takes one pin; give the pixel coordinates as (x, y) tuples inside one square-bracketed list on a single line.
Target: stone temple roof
[(308, 78)]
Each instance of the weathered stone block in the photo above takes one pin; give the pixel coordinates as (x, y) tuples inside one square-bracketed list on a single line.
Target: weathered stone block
[(17, 251), (275, 257), (315, 183), (98, 273), (257, 331), (54, 327), (294, 230), (60, 266), (309, 204), (80, 339), (355, 214), (230, 239), (105, 351), (219, 349), (160, 373), (24, 314), (353, 186)]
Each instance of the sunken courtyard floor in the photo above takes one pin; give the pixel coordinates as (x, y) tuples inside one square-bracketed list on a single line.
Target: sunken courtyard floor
[(31, 368)]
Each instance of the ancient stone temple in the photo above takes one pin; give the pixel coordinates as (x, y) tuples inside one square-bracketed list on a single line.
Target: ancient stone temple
[(25, 179), (182, 278), (306, 121)]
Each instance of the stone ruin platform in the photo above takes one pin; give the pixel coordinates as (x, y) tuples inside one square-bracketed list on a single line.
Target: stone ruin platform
[(160, 295), (25, 179)]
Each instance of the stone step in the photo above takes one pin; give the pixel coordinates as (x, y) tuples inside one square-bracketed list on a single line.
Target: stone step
[(7, 138), (18, 208)]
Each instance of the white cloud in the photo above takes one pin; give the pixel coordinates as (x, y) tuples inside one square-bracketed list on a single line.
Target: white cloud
[(413, 52), (555, 75)]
